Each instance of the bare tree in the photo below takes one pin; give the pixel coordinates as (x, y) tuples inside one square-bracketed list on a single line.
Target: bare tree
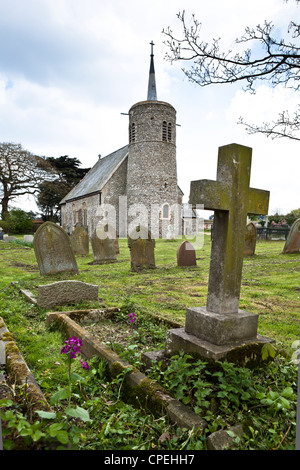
[(257, 56), (21, 172)]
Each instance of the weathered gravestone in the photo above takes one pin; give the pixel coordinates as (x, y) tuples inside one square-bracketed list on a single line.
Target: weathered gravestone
[(53, 250), (292, 244), (66, 292), (141, 246), (7, 238), (250, 239), (80, 241), (186, 255), (28, 238), (221, 330), (103, 247)]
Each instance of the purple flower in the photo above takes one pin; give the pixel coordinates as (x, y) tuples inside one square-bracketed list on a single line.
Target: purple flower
[(84, 365), (72, 346), (132, 317)]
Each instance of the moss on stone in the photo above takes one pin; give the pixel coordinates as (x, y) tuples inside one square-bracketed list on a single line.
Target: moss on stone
[(7, 336)]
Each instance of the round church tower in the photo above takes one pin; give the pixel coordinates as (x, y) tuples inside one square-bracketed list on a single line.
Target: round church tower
[(152, 171)]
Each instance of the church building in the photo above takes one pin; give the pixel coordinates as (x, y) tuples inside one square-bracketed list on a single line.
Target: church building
[(139, 177)]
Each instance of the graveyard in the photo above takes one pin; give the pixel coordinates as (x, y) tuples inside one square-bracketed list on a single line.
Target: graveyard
[(139, 307)]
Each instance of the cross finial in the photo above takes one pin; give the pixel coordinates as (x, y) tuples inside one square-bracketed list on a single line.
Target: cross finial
[(152, 44)]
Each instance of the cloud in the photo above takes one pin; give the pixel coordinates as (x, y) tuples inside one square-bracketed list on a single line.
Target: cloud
[(68, 68)]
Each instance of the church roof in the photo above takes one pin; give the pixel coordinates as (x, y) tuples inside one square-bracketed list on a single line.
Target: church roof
[(98, 175)]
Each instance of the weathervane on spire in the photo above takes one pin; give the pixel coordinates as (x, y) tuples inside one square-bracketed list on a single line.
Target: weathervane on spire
[(151, 84)]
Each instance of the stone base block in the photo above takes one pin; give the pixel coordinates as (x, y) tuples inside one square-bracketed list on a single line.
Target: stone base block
[(221, 329), (244, 353)]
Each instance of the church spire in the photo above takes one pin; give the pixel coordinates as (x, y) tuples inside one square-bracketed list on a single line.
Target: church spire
[(151, 84)]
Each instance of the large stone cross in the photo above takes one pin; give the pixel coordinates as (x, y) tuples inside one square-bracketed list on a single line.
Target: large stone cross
[(232, 199), (220, 330)]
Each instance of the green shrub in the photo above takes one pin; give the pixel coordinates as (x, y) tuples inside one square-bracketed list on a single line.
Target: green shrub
[(17, 221)]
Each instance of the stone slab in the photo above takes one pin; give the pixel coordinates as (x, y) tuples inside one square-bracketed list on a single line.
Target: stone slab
[(66, 292), (29, 296), (221, 329), (243, 353)]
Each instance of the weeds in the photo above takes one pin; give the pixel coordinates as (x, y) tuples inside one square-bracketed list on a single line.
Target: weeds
[(263, 400)]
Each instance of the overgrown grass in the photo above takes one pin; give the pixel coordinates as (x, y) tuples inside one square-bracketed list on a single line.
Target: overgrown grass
[(270, 288)]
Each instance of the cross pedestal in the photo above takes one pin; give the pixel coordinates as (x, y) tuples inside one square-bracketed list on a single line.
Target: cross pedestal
[(221, 329)]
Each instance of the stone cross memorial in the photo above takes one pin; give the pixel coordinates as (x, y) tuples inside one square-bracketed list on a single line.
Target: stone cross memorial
[(215, 331)]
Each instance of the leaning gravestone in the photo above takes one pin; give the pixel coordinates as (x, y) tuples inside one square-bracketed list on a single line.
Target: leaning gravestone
[(186, 255), (53, 250), (141, 247), (292, 244), (80, 241), (103, 248), (66, 292), (221, 330), (250, 239)]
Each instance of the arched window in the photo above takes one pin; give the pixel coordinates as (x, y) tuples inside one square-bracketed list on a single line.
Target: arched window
[(165, 212), (169, 132), (132, 133), (164, 131), (74, 214), (84, 208)]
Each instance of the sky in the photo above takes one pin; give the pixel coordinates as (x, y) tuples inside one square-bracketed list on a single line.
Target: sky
[(70, 68)]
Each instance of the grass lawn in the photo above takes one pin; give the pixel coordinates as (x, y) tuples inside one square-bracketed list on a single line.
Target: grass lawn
[(270, 288), (270, 283)]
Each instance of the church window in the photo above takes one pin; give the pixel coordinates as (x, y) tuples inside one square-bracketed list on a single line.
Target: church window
[(132, 133), (164, 131), (79, 217), (74, 214), (100, 198), (169, 132), (165, 211), (84, 208)]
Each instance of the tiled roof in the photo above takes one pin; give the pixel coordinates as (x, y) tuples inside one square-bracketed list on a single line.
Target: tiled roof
[(98, 175)]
